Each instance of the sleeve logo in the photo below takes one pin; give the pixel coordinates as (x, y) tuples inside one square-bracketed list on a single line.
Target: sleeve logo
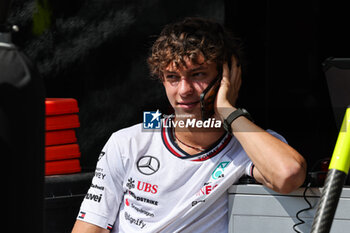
[(219, 170)]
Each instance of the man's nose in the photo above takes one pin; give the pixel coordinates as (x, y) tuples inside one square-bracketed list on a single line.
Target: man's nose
[(185, 87)]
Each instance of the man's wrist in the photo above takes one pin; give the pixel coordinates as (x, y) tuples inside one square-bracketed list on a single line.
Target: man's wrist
[(233, 116), (226, 111)]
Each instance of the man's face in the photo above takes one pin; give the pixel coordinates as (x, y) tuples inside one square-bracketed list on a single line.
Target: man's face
[(184, 84)]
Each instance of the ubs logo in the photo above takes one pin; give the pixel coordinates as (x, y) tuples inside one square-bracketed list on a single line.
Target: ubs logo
[(142, 186), (148, 165)]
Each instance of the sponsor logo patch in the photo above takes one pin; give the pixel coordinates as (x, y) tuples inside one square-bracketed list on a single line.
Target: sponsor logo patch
[(93, 197), (148, 165), (219, 170), (81, 215), (99, 174), (109, 227), (147, 213), (142, 186), (134, 221), (197, 202), (130, 183), (143, 199), (206, 189), (95, 186), (138, 209)]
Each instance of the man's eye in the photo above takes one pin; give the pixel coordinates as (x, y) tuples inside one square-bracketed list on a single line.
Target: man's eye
[(199, 74), (172, 78)]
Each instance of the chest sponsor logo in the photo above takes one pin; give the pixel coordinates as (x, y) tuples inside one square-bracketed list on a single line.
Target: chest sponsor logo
[(134, 221), (142, 199), (138, 209), (142, 186), (131, 183), (148, 165), (147, 187), (219, 170), (147, 213)]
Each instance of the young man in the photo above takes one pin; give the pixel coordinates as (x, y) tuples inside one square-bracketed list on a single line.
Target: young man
[(175, 179)]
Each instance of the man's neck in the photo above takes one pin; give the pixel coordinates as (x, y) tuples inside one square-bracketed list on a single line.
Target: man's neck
[(193, 140)]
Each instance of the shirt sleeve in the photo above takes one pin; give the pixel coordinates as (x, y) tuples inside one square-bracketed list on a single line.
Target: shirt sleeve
[(101, 203)]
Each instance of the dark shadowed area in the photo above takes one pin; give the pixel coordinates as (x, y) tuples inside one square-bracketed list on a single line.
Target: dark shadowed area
[(96, 51)]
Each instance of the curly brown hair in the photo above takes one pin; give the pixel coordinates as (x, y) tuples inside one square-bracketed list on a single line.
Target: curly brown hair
[(190, 38)]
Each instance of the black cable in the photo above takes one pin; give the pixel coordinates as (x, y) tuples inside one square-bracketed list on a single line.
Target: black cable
[(310, 182), (300, 211)]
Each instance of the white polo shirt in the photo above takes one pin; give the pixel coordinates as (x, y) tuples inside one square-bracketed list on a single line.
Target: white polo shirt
[(145, 183)]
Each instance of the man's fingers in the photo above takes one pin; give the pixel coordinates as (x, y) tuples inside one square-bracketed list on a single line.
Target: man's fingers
[(236, 72), (230, 84), (236, 79), (234, 66), (239, 77), (233, 61), (225, 72)]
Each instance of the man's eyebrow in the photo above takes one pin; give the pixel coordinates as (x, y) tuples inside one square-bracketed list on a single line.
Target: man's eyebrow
[(169, 71), (190, 70), (198, 68)]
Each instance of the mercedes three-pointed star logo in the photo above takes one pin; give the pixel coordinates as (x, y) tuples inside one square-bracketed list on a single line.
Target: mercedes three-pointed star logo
[(148, 165)]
